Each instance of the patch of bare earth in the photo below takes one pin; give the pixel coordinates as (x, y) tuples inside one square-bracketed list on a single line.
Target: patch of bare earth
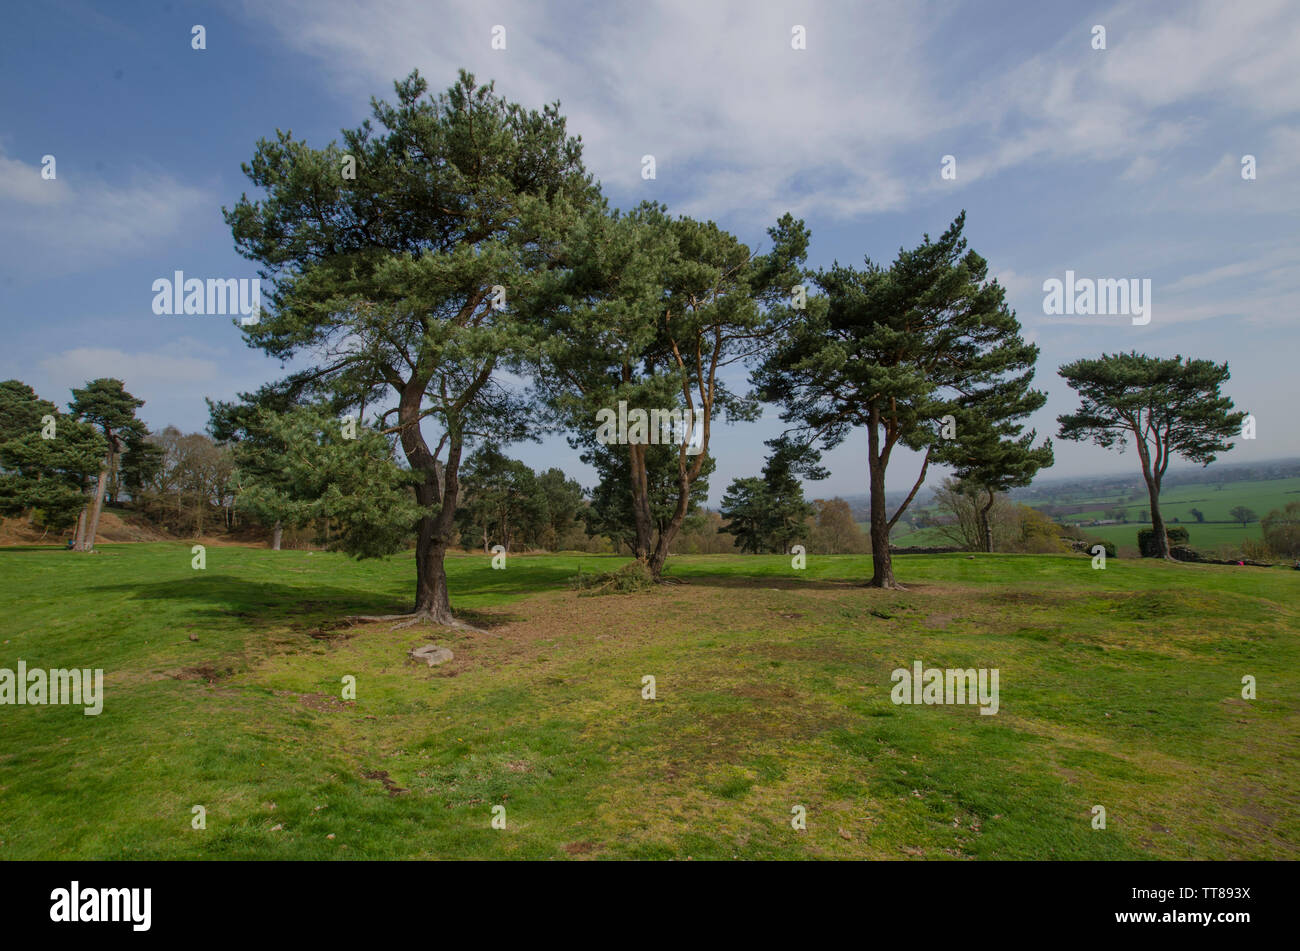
[(383, 777), (320, 702)]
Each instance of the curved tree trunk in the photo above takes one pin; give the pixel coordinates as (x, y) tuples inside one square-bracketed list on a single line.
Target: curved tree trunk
[(1158, 522), (88, 542), (986, 530), (436, 495), (1151, 472)]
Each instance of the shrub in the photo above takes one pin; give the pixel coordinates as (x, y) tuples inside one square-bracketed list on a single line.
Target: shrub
[(1281, 528), (1147, 540), (1081, 541)]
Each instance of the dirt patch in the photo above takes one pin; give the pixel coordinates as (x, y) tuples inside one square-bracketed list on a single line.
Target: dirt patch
[(1044, 598), (320, 702), (207, 672), (1069, 775), (330, 632), (383, 777), (579, 848)]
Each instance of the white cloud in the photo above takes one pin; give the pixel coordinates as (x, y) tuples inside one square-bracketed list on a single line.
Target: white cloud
[(717, 85), (165, 367), (66, 225)]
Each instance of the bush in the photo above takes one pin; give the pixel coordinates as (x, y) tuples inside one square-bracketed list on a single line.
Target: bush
[(1083, 543), (1255, 550), (1147, 540), (1281, 528)]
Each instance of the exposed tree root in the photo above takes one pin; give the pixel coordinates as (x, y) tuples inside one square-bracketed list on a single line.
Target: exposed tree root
[(414, 618)]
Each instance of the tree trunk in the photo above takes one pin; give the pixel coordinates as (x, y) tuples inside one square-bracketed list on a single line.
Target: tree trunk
[(1152, 473), (88, 542), (276, 533), (986, 530), (685, 479), (431, 596), (641, 505), (436, 495), (882, 565), (1158, 521), (80, 536), (435, 531)]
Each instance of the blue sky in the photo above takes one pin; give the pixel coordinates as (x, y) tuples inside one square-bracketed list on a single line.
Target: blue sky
[(1115, 163)]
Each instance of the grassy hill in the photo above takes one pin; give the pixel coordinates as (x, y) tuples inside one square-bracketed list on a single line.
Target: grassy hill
[(1119, 687)]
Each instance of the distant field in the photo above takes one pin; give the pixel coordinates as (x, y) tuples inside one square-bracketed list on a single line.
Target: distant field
[(1176, 503), (1119, 687)]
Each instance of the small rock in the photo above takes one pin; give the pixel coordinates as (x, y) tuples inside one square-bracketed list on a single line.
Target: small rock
[(846, 834), (194, 637), (330, 836), (433, 654), (277, 827)]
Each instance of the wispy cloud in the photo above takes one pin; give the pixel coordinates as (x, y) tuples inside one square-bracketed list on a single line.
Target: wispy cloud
[(869, 105), (67, 224)]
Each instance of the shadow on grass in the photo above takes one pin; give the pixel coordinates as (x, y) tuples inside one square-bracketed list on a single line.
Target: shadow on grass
[(759, 582), (261, 600)]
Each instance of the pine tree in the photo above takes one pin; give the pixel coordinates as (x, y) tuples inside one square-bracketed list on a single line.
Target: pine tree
[(106, 405), (405, 283), (1167, 407), (46, 458), (651, 311), (897, 350), (996, 457)]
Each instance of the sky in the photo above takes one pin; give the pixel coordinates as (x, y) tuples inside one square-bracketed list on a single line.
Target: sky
[(1117, 163)]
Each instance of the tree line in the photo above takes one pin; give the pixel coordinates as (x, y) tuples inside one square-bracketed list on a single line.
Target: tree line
[(470, 249)]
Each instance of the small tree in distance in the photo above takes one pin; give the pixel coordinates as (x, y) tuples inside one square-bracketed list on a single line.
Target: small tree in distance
[(1239, 513), (106, 405), (1167, 407)]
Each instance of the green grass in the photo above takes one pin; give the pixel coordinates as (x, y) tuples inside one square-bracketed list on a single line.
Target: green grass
[(1176, 502), (1118, 687)]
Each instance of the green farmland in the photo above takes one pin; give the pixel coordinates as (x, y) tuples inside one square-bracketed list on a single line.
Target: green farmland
[(1176, 502)]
